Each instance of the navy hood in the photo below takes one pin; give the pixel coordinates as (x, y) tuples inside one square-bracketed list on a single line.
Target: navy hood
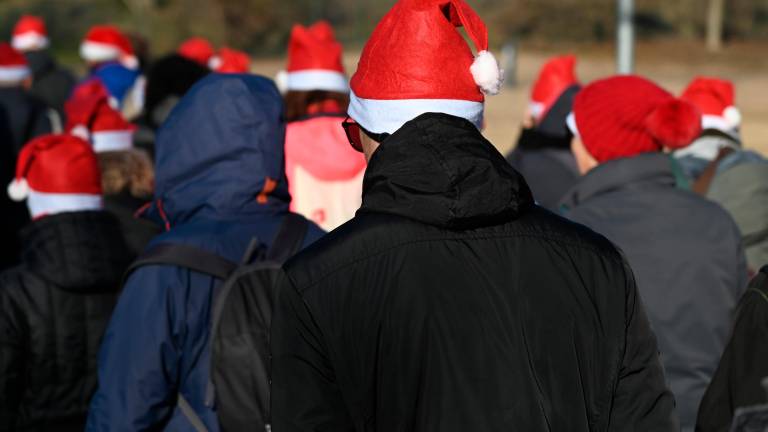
[(219, 155)]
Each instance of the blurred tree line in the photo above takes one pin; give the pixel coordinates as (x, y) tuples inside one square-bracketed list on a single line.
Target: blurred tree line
[(262, 26)]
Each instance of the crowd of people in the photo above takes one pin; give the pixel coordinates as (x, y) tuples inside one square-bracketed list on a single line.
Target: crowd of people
[(189, 246)]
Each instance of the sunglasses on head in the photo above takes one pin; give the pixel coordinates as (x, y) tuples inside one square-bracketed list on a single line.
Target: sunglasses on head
[(354, 134)]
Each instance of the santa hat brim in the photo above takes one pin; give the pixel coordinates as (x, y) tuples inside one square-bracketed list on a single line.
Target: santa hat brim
[(99, 52), (45, 203), (387, 116), (29, 41), (13, 74), (117, 140), (308, 80)]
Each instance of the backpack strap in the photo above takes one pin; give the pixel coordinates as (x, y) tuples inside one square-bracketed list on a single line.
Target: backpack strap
[(289, 239), (189, 257)]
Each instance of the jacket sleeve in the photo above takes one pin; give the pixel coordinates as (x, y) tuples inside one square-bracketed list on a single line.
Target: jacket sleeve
[(140, 354), (11, 364), (305, 392), (642, 400)]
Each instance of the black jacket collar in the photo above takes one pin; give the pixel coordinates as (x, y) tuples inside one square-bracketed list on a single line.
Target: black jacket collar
[(623, 175), (439, 170)]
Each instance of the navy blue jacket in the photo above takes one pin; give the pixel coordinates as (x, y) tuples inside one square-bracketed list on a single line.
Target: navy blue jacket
[(220, 182)]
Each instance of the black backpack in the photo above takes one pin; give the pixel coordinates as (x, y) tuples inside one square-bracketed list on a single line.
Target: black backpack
[(238, 385)]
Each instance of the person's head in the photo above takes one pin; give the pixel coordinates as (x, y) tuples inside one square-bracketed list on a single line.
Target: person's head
[(198, 50), (231, 61), (106, 43), (57, 174), (220, 152), (715, 98), (14, 69), (30, 34), (624, 116), (168, 80), (315, 81), (417, 62), (552, 97)]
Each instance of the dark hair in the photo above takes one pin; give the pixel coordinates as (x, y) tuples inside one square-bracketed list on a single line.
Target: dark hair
[(298, 102)]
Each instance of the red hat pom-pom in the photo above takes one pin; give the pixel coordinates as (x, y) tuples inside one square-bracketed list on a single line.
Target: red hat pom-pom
[(674, 123)]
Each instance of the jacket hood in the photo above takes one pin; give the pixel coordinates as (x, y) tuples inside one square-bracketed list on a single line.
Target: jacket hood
[(220, 153), (77, 251), (642, 171), (438, 169)]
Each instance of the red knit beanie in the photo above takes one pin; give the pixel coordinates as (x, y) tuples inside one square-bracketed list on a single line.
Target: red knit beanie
[(624, 116)]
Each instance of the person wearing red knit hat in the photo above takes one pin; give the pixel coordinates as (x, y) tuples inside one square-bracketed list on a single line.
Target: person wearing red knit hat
[(325, 175), (451, 301), (51, 83), (686, 251), (543, 154), (56, 304), (231, 61), (197, 49)]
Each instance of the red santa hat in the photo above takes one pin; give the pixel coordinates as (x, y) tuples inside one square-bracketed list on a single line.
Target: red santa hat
[(197, 49), (105, 43), (56, 174), (715, 98), (417, 62), (624, 116), (13, 65), (92, 118), (230, 60), (314, 60), (30, 34), (556, 76)]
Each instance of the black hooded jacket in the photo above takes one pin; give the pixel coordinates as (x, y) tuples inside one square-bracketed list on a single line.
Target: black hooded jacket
[(54, 308), (51, 83), (452, 303)]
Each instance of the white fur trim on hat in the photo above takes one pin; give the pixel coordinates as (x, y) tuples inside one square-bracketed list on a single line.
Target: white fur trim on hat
[(18, 189), (99, 52), (570, 121), (281, 81), (112, 141), (487, 74), (13, 74), (29, 42), (387, 116), (717, 122), (43, 203), (318, 79)]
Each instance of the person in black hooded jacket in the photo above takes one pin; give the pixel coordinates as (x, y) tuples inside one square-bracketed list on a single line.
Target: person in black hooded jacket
[(451, 302), (55, 305)]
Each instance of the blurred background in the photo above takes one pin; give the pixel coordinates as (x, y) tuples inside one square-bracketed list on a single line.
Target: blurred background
[(676, 39)]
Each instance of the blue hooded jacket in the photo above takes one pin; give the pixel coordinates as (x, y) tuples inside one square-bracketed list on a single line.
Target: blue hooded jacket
[(220, 183)]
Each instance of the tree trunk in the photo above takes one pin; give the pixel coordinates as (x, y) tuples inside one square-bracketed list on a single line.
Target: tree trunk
[(715, 19)]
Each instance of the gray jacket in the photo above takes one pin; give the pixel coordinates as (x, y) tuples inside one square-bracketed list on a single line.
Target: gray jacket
[(687, 257)]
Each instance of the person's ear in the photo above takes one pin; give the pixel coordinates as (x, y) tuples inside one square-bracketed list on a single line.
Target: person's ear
[(584, 160), (369, 145), (27, 83)]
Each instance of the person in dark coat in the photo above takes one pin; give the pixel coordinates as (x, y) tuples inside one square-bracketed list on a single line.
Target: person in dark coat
[(742, 375), (51, 83), (685, 250), (55, 305), (22, 118), (451, 302), (543, 152), (127, 172), (220, 183)]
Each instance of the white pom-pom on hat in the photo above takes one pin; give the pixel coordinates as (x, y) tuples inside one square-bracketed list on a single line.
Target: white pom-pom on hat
[(18, 189), (732, 115), (81, 131), (487, 74)]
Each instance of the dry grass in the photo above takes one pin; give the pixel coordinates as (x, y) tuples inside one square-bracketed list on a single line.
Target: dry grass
[(672, 64)]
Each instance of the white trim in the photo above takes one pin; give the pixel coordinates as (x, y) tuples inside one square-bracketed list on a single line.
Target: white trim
[(112, 140), (387, 116), (99, 52), (13, 74), (29, 41), (570, 121), (706, 148), (536, 109), (318, 79), (44, 203), (720, 123)]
